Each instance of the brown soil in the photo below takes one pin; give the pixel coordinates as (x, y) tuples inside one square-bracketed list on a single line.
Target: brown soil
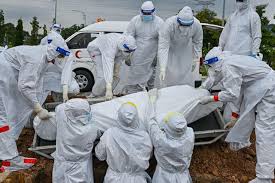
[(214, 163)]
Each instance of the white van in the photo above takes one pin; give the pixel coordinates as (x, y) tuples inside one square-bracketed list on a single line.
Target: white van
[(84, 66)]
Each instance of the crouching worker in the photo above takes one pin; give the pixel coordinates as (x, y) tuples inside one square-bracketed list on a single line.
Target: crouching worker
[(173, 147), (74, 143), (126, 148), (256, 80)]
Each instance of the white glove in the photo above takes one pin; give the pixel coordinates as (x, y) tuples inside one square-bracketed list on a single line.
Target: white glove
[(41, 112), (65, 93), (231, 123), (162, 74), (207, 99), (153, 95), (109, 92)]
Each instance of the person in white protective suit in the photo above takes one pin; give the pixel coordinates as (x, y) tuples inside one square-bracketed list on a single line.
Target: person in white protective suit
[(257, 80), (59, 77), (126, 148), (21, 88), (74, 142), (242, 33), (55, 29), (145, 29), (173, 147), (108, 51), (179, 49)]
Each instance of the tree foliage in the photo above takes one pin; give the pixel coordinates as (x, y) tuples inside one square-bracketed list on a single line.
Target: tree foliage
[(66, 32), (34, 40), (19, 35), (210, 36), (268, 37)]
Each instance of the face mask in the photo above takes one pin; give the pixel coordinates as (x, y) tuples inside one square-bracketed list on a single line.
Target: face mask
[(147, 18), (241, 5)]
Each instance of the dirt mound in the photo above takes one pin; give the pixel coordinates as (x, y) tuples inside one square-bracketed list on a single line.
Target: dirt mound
[(214, 163)]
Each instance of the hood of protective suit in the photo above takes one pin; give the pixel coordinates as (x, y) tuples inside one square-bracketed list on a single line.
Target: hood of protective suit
[(78, 111), (128, 116), (175, 125), (147, 12), (185, 16), (56, 47), (215, 57), (242, 5), (56, 28), (127, 41)]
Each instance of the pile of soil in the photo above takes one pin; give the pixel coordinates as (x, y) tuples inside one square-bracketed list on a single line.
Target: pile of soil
[(214, 163)]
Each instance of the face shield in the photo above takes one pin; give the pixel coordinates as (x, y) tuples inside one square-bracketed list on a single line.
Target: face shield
[(147, 15), (128, 116)]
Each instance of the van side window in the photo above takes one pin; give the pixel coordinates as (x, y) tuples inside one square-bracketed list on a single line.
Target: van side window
[(80, 41)]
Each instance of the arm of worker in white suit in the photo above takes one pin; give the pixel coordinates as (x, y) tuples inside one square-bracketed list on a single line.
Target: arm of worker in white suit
[(225, 33), (212, 79), (28, 79), (232, 82), (256, 33), (100, 149), (66, 77), (131, 28), (197, 40), (163, 48)]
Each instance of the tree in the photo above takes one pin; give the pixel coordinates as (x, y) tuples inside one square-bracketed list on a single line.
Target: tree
[(19, 35), (2, 29), (34, 32), (45, 32), (10, 32), (210, 37), (66, 32), (268, 38)]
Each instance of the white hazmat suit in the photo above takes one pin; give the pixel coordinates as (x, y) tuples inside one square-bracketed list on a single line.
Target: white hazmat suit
[(108, 51), (127, 148), (180, 48), (145, 29), (173, 147), (22, 70), (257, 81), (59, 76), (74, 143), (242, 32)]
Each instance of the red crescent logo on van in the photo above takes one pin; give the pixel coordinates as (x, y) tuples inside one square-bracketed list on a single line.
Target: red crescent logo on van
[(77, 54)]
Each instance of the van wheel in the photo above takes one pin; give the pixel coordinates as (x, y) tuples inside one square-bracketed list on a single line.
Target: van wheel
[(85, 80)]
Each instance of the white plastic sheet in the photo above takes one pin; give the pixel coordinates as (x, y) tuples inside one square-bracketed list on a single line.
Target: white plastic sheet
[(183, 99), (46, 129)]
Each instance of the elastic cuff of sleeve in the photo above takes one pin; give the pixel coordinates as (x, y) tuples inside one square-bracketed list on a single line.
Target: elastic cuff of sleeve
[(216, 98), (235, 115)]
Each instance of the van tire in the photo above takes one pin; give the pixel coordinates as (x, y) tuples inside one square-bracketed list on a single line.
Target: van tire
[(86, 78)]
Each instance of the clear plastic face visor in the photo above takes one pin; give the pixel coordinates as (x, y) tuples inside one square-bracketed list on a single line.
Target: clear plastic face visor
[(147, 12), (63, 52), (127, 49), (211, 61), (184, 23)]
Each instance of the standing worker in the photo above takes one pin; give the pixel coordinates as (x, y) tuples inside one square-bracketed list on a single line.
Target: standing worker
[(22, 69), (257, 81), (242, 33), (173, 147), (180, 48), (145, 29), (126, 148), (74, 143), (108, 51), (55, 30)]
